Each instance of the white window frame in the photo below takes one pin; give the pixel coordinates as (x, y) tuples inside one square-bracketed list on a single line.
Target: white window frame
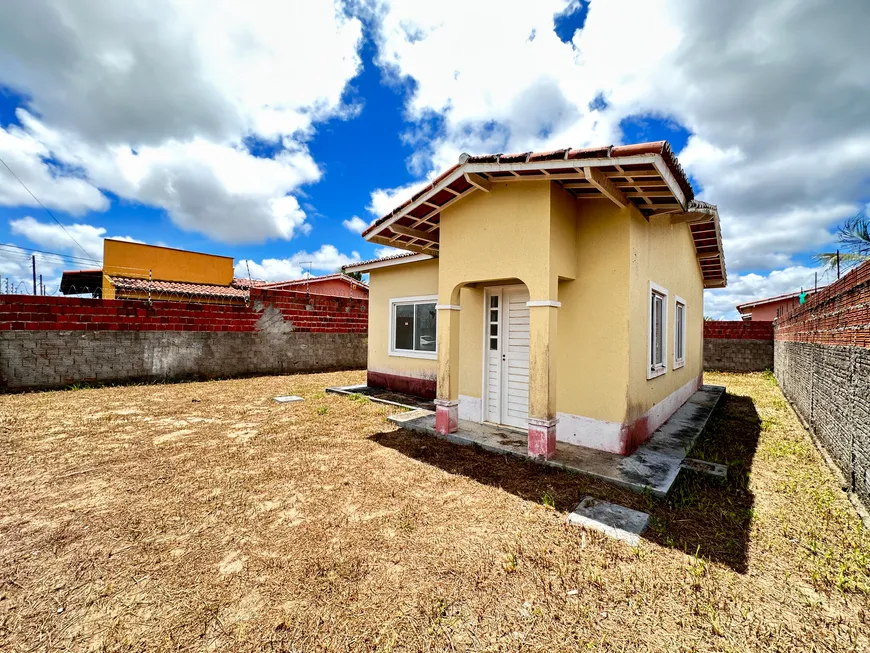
[(679, 301), (413, 301), (655, 289)]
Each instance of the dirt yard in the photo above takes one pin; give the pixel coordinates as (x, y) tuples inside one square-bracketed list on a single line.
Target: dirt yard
[(205, 516)]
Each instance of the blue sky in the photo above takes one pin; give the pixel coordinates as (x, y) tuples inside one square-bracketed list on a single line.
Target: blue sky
[(274, 133)]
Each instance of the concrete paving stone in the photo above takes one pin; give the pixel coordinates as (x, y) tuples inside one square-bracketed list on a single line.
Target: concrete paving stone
[(703, 467), (615, 521), (286, 399)]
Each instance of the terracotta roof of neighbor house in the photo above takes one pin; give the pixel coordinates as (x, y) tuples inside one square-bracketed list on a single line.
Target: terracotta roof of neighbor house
[(238, 289), (383, 261), (776, 298), (645, 175), (309, 280)]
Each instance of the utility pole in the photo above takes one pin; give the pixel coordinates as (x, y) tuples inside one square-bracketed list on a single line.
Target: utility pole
[(816, 283), (33, 260), (838, 263), (41, 286)]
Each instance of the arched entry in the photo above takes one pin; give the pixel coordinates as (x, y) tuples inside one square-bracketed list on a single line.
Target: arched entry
[(506, 355)]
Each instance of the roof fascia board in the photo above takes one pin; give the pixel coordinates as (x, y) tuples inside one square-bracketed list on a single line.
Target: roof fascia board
[(364, 267), (472, 168), (670, 180), (559, 163), (459, 172)]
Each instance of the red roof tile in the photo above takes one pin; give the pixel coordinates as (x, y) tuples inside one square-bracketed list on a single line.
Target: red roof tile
[(240, 291)]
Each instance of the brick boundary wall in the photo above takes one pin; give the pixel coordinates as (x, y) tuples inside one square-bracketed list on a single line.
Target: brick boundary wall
[(822, 364), (56, 341), (738, 346)]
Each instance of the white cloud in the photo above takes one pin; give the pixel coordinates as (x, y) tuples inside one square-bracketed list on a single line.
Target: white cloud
[(384, 200), (155, 101), (325, 260), (356, 224), (26, 156), (775, 95), (384, 252), (721, 303), (66, 238)]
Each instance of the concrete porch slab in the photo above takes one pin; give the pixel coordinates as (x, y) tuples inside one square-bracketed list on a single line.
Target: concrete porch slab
[(652, 467), (615, 521)]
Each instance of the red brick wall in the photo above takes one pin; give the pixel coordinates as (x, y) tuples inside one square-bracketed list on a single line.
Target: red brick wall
[(314, 314), (738, 330), (822, 364), (837, 315)]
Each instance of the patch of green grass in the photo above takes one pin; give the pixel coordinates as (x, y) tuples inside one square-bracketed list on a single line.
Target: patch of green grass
[(322, 410), (549, 500)]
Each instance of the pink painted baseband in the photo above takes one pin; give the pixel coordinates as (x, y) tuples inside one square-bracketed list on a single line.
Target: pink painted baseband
[(542, 438), (446, 416), (424, 388)]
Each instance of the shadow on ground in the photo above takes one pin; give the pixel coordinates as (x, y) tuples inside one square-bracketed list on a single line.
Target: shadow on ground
[(702, 515)]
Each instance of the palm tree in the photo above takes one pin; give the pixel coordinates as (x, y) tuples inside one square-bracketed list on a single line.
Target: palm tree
[(854, 237)]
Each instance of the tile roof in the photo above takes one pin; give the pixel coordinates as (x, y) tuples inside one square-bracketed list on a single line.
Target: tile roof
[(309, 280), (661, 148), (376, 260), (777, 298), (239, 288), (646, 176)]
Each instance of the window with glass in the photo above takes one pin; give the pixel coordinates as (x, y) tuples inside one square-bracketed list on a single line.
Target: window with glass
[(414, 323), (658, 328), (679, 333), (493, 322)]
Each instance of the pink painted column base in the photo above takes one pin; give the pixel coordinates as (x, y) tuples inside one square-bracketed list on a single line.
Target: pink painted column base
[(542, 438), (446, 416)]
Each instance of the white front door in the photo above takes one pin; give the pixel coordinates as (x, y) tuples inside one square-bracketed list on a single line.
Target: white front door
[(507, 356)]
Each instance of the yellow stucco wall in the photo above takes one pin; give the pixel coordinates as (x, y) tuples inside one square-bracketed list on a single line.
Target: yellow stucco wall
[(592, 371), (134, 260), (407, 280), (494, 236), (471, 342), (663, 253)]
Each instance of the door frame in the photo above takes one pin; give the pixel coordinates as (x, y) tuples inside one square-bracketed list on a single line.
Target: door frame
[(484, 390)]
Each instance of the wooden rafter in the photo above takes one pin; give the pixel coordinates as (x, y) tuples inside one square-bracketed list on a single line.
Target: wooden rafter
[(479, 182), (413, 233), (637, 187), (603, 184)]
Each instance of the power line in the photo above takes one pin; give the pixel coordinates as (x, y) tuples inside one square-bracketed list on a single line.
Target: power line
[(70, 257), (12, 172)]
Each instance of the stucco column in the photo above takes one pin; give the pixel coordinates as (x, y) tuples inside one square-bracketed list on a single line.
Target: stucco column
[(543, 319), (447, 394)]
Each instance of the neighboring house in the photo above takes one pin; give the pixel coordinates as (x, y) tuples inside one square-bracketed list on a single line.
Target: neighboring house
[(335, 285), (140, 271), (767, 310), (560, 293)]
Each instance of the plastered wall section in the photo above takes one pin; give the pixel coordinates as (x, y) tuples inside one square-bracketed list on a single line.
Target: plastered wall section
[(584, 244), (407, 280), (502, 235), (592, 353), (125, 259), (662, 253)]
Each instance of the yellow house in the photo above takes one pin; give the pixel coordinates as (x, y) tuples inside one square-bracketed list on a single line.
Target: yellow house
[(560, 293), (139, 271)]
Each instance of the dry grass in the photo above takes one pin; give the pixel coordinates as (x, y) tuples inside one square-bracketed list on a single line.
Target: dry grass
[(205, 516)]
